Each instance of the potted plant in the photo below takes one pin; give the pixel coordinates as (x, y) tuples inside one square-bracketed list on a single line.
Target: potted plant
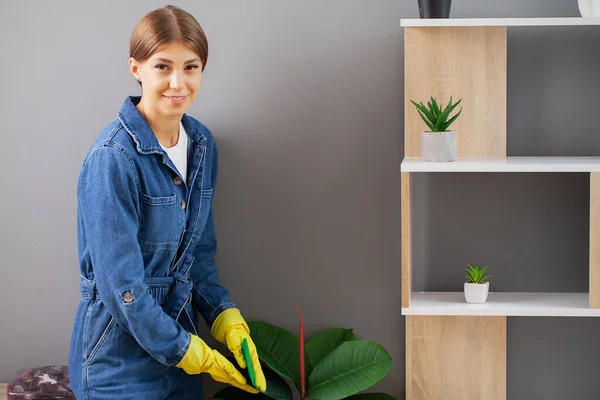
[(434, 8), (477, 286), (331, 365), (438, 144), (589, 8)]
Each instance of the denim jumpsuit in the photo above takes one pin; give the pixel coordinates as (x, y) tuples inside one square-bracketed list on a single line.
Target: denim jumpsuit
[(146, 245)]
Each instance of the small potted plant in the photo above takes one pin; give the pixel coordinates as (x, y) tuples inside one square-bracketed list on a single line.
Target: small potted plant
[(438, 144), (436, 8), (477, 286)]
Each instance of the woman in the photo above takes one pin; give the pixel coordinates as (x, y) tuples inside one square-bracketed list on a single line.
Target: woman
[(146, 236)]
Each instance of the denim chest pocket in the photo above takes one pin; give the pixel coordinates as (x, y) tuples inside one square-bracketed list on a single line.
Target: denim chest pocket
[(161, 223)]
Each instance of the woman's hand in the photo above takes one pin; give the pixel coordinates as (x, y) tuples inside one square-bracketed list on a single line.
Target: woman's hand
[(201, 358), (231, 329)]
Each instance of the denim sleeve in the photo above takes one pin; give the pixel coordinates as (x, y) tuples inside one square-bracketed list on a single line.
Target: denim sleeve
[(209, 297), (109, 207)]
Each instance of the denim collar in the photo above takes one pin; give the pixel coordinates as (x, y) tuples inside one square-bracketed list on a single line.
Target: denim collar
[(141, 133)]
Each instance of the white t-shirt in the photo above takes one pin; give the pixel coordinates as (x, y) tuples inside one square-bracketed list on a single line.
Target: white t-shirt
[(178, 153)]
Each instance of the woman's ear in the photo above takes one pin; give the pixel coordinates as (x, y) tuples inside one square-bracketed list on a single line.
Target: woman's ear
[(134, 67)]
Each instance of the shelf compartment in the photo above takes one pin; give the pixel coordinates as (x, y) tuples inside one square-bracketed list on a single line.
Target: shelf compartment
[(504, 164), (510, 304), (463, 22), (462, 63)]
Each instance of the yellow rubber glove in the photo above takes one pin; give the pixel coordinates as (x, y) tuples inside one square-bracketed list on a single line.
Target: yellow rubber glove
[(231, 329), (201, 358)]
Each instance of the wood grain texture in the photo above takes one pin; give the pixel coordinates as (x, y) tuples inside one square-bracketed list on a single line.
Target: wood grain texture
[(467, 63), (455, 358), (595, 240), (406, 238)]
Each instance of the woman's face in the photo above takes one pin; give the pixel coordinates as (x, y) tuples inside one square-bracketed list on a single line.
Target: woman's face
[(170, 79)]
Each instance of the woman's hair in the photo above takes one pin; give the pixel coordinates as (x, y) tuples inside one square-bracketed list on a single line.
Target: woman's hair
[(165, 25)]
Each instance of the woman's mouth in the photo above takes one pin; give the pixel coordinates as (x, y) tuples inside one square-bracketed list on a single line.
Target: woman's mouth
[(176, 99)]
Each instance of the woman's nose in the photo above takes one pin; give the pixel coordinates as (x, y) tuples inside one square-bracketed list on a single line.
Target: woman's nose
[(176, 80)]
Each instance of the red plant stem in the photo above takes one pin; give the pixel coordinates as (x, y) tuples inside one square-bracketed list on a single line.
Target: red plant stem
[(301, 356)]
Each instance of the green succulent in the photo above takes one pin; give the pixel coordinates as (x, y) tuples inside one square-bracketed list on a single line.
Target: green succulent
[(433, 115), (476, 273)]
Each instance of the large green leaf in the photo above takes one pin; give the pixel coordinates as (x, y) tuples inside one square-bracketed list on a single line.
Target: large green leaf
[(277, 387), (371, 396), (233, 393), (352, 367), (277, 347), (324, 342)]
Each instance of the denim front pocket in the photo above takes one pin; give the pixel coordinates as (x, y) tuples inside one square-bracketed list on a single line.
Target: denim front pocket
[(161, 223), (98, 325)]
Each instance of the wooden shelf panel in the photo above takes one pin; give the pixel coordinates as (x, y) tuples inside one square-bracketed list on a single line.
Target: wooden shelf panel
[(508, 304), (504, 164), (455, 358), (554, 21)]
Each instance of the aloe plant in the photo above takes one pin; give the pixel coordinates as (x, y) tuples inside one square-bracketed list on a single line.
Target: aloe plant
[(336, 363), (436, 115), (476, 273)]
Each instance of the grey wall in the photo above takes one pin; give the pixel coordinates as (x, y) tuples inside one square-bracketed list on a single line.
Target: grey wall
[(306, 102)]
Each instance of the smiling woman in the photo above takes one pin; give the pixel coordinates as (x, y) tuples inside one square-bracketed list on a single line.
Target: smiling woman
[(168, 52), (146, 236)]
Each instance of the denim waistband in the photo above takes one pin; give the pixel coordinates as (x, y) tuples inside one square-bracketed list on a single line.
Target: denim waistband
[(170, 292), (89, 291)]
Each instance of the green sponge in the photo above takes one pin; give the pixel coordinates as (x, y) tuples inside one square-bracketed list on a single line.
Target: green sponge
[(246, 352)]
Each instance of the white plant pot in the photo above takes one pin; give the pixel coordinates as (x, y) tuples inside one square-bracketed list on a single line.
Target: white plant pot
[(438, 146), (476, 292), (589, 8)]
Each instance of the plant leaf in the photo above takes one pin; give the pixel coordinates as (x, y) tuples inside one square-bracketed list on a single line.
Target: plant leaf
[(444, 115), (324, 342), (277, 387), (426, 114), (301, 355), (371, 396), (233, 393), (429, 124), (436, 108), (476, 273), (354, 366), (452, 120), (277, 347)]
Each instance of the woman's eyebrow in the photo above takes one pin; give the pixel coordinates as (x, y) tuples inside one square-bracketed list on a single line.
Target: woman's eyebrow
[(171, 62)]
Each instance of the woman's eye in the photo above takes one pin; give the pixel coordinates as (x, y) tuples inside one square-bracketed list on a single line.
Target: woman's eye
[(164, 67)]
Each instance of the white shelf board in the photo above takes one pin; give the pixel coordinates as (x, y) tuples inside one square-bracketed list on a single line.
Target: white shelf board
[(554, 21), (502, 304), (504, 164)]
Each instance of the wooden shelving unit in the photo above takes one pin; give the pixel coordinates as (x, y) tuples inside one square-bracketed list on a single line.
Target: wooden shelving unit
[(508, 304), (456, 350), (508, 22), (504, 164)]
